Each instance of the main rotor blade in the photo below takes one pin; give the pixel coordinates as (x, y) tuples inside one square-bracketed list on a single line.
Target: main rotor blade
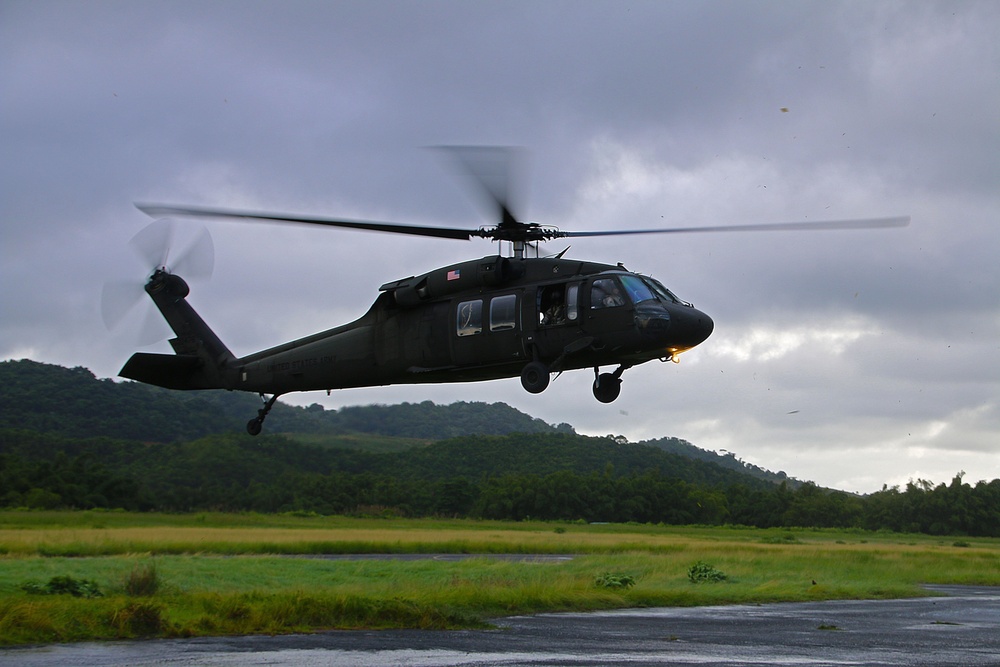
[(861, 223), (491, 171), (162, 210)]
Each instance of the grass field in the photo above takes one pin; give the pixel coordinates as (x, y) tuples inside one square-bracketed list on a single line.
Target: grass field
[(237, 574)]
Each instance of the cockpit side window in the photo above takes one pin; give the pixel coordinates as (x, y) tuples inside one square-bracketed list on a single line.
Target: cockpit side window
[(636, 289), (605, 293)]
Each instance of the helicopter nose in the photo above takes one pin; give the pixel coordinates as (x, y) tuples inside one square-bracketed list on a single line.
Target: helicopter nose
[(703, 327), (694, 327)]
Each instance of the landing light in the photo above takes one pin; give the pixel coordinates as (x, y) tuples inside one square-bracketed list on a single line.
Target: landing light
[(674, 356)]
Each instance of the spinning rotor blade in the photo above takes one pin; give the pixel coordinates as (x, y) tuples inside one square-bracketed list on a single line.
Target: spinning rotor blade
[(160, 210), (119, 301), (491, 171), (861, 223), (153, 244), (118, 298), (198, 260), (512, 230)]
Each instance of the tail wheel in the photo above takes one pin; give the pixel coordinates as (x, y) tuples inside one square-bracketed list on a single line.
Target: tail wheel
[(607, 387), (535, 377)]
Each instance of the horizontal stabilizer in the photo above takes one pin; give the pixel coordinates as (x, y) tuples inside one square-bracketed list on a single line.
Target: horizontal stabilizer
[(172, 371)]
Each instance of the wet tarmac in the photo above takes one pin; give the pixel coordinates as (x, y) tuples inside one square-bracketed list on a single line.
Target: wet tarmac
[(960, 629)]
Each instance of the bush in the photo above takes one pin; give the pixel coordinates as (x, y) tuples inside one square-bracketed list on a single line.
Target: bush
[(614, 580), (701, 572), (63, 585)]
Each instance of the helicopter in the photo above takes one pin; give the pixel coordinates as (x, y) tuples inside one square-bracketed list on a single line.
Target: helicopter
[(500, 316)]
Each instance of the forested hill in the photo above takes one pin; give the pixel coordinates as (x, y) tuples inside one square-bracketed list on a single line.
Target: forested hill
[(73, 402), (728, 460), (69, 440)]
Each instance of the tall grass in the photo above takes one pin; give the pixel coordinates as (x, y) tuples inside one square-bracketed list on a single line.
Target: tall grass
[(142, 580), (109, 533), (221, 574)]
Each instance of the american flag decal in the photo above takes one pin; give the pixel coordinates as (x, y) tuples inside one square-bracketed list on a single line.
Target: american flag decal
[(454, 274)]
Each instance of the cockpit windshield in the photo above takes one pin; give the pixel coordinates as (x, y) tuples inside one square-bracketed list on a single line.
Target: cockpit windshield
[(662, 291), (637, 290)]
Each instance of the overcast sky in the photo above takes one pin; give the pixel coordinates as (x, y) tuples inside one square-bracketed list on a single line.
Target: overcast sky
[(850, 358)]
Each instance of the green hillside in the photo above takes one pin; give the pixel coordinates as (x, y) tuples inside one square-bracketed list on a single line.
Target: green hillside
[(69, 440), (72, 401)]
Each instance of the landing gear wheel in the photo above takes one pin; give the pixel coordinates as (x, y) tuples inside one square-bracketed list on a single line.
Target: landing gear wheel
[(535, 377), (254, 426), (607, 387)]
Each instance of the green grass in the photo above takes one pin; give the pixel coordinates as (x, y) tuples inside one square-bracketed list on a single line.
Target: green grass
[(222, 574)]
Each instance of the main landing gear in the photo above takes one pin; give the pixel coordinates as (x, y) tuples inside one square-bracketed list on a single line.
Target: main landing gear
[(257, 423), (535, 377), (607, 386)]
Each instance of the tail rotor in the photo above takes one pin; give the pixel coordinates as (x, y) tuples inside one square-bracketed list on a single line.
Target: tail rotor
[(120, 299)]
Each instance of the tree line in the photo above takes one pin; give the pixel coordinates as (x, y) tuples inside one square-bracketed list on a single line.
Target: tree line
[(552, 476)]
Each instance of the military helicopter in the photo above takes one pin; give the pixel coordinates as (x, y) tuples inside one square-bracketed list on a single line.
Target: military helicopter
[(481, 319)]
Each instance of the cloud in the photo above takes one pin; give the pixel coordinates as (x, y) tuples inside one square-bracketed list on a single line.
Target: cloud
[(763, 344), (634, 116)]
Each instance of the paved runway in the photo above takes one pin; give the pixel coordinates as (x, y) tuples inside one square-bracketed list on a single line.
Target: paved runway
[(962, 629)]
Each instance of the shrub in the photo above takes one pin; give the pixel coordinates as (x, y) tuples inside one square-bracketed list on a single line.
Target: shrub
[(63, 585), (702, 572), (614, 580)]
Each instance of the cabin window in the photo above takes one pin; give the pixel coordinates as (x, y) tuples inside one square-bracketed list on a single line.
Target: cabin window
[(470, 318), (557, 304), (572, 302), (605, 293), (503, 313)]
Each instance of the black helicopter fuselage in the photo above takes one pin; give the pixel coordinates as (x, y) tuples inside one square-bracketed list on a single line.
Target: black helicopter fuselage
[(483, 319)]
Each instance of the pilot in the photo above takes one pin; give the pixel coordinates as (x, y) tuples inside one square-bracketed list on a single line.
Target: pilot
[(556, 312), (605, 294), (613, 298)]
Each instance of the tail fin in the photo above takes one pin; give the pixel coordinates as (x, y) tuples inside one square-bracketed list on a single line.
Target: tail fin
[(201, 361)]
